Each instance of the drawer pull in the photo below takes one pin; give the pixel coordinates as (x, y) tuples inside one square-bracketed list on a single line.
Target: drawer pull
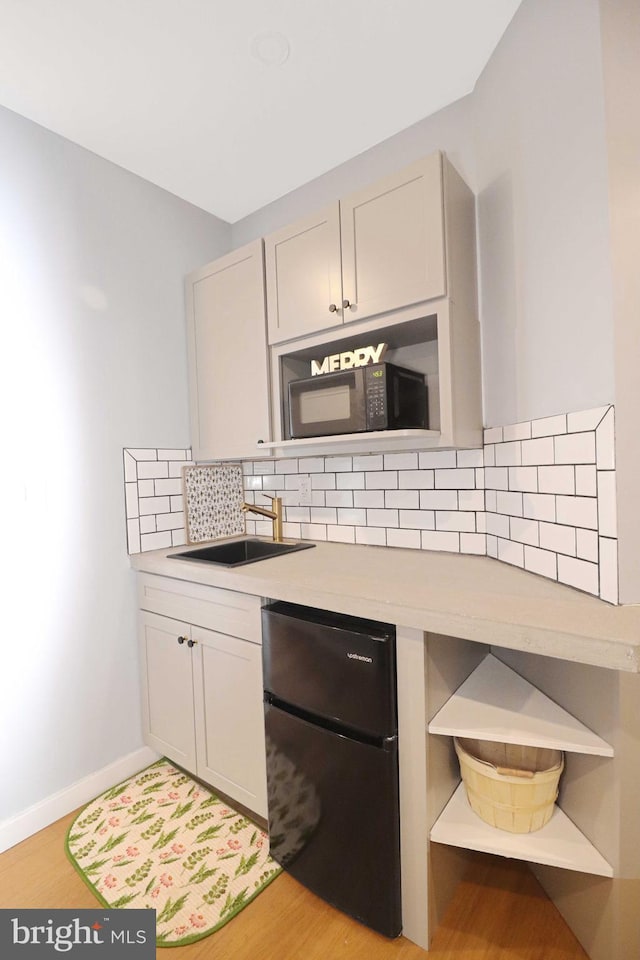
[(181, 639), (191, 643)]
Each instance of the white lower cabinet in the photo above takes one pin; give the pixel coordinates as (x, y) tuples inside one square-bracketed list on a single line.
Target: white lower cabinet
[(202, 688)]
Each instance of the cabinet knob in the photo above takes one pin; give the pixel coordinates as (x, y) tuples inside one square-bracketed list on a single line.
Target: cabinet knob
[(191, 643), (346, 304), (181, 639), (333, 307)]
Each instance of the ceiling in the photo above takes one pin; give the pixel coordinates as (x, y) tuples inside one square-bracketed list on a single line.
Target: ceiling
[(230, 105)]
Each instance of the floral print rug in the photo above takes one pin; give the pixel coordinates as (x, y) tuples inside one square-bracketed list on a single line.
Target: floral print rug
[(161, 840)]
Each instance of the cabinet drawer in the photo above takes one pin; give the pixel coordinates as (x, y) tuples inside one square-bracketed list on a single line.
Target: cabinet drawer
[(226, 611)]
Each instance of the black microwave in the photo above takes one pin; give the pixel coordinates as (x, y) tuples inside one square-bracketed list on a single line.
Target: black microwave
[(380, 396)]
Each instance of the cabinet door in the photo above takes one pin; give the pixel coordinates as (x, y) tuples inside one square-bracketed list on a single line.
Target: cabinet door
[(229, 717), (228, 379), (303, 276), (167, 688), (393, 241)]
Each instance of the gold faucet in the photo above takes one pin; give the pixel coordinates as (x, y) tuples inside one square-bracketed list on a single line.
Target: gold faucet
[(274, 515)]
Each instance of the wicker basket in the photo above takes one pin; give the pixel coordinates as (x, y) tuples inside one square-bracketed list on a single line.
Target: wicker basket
[(511, 787)]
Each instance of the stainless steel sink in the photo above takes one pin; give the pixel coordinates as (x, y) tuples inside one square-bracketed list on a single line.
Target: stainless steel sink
[(236, 553)]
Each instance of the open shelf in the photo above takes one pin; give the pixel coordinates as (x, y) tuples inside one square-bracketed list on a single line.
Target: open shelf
[(559, 843), (495, 703)]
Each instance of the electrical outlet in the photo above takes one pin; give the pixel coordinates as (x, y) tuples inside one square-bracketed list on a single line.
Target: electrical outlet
[(305, 490)]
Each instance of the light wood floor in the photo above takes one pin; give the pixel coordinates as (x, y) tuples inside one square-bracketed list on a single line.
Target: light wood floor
[(498, 913)]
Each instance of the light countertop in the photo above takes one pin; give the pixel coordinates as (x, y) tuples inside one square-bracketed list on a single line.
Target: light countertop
[(475, 598)]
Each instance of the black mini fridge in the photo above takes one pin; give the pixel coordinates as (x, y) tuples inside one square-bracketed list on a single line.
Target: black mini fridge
[(332, 758)]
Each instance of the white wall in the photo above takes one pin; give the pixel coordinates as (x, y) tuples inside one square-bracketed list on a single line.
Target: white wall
[(93, 359), (530, 141), (541, 180)]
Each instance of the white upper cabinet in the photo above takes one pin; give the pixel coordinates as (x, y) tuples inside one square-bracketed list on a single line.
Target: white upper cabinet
[(304, 282), (227, 351), (376, 250)]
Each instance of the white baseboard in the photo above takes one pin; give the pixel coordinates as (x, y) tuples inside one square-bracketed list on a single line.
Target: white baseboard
[(59, 804)]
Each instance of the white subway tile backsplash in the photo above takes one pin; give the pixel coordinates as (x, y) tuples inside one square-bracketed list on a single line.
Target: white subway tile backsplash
[(170, 521), (357, 518), (286, 466), (405, 499), (475, 543), (350, 481), (133, 536), (167, 488), (164, 454), (578, 573), (440, 499), (340, 534), (560, 539), (543, 562), (525, 531), (492, 435), (549, 426), (585, 419), (498, 525), (155, 541), (381, 480), (416, 479), (470, 458), (340, 498), (401, 461), (608, 554), (446, 540), (368, 462), (323, 481), (459, 479), (311, 464), (605, 442), (397, 537), (130, 471), (496, 478), (131, 500), (538, 451), (437, 459), (469, 500), (511, 552), (418, 519), (575, 448), (371, 535), (154, 505), (338, 464), (578, 511), (382, 518), (586, 483), (539, 506), (523, 478), (150, 469), (531, 496), (587, 545), (178, 538), (607, 512), (560, 479), (510, 503), (517, 431), (368, 498), (148, 523), (509, 454), (455, 520)]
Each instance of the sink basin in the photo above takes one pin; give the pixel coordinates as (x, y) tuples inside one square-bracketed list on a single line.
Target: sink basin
[(238, 552)]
